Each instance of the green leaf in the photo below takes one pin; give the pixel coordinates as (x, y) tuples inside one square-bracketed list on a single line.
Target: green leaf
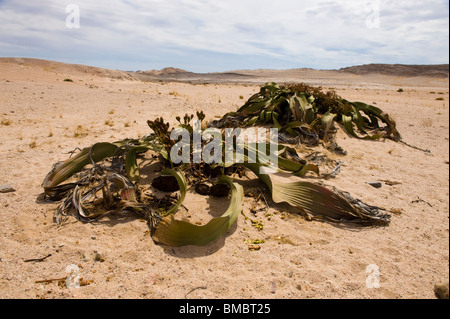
[(296, 108), (131, 166), (268, 117), (386, 118), (305, 103), (262, 115), (290, 126), (285, 162), (253, 107), (252, 121), (358, 120), (327, 122), (318, 200), (347, 121), (276, 124), (310, 116), (95, 153), (183, 188), (176, 233)]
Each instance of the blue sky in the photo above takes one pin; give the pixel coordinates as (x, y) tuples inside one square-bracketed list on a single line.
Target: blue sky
[(209, 36)]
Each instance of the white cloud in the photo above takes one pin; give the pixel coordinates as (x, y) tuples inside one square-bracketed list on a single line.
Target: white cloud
[(321, 34)]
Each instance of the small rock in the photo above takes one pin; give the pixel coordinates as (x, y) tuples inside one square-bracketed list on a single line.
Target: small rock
[(441, 291), (99, 257), (376, 185), (274, 287), (254, 247), (6, 189)]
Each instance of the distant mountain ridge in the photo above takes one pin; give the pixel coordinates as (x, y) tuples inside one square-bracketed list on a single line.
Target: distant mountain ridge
[(165, 71), (237, 76), (436, 70)]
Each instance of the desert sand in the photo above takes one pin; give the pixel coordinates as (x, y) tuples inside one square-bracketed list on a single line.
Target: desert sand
[(43, 118)]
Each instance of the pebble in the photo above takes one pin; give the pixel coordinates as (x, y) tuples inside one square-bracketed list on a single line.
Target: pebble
[(274, 287), (441, 291), (375, 184), (6, 189), (99, 257), (254, 247)]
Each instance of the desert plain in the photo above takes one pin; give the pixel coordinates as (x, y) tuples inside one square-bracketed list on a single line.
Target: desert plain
[(43, 118)]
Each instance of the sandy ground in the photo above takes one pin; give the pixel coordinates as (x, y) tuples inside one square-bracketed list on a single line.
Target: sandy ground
[(43, 118)]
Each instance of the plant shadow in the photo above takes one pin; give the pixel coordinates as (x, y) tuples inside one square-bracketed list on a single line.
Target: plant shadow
[(216, 207)]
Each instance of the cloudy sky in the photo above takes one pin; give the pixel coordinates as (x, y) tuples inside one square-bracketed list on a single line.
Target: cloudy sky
[(208, 36)]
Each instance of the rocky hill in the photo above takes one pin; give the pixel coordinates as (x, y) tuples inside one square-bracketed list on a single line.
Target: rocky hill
[(436, 70)]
